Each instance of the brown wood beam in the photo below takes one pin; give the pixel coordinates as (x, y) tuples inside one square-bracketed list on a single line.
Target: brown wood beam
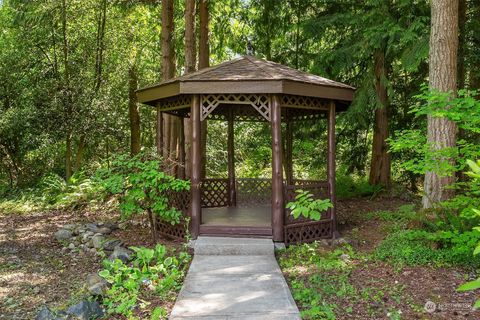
[(195, 210), (159, 127), (277, 169), (181, 155), (331, 166), (289, 150), (232, 200)]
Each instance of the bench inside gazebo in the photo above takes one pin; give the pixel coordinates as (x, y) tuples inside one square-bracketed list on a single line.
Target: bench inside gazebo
[(251, 89)]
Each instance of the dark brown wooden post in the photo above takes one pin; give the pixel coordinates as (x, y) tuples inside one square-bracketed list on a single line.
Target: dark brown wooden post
[(277, 169), (331, 165), (232, 199), (159, 126), (181, 155), (196, 209), (288, 151)]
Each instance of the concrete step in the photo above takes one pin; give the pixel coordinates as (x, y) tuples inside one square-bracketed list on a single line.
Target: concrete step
[(233, 246)]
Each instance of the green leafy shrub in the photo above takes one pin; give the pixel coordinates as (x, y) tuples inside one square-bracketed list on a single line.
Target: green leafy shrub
[(475, 284), (420, 247), (53, 192), (151, 271), (305, 205), (143, 187), (348, 186)]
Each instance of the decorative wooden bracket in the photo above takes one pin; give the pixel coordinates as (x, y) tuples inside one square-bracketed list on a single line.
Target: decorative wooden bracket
[(259, 102)]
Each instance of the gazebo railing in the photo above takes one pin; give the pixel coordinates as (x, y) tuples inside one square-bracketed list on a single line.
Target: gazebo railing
[(253, 192), (303, 230), (214, 193), (181, 201)]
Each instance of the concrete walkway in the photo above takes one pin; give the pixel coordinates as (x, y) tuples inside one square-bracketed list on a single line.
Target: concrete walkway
[(234, 278)]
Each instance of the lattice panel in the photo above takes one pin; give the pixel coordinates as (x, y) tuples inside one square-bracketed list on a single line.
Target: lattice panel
[(319, 189), (308, 231), (180, 201), (178, 102), (168, 230), (253, 192), (293, 101), (211, 101), (214, 193)]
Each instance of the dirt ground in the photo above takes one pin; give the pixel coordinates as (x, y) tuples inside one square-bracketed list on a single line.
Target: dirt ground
[(34, 270), (381, 287)]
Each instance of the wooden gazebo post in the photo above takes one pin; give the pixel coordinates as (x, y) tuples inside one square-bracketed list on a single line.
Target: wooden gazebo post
[(277, 169), (232, 196), (196, 209), (288, 151), (331, 165)]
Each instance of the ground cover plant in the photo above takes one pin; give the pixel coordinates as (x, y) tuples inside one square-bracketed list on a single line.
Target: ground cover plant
[(151, 272)]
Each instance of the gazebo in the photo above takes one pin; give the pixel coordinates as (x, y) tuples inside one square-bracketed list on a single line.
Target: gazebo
[(251, 89)]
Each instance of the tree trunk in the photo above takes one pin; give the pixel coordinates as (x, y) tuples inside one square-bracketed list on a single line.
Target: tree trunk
[(168, 72), (442, 77), (133, 114), (68, 156), (67, 101), (190, 51), (203, 62), (474, 72), (380, 164), (80, 150), (462, 19), (190, 66)]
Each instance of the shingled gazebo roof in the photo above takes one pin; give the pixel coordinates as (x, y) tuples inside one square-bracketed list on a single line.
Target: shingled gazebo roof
[(247, 74)]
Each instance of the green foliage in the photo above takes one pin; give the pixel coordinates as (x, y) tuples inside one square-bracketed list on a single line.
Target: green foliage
[(142, 186), (305, 205), (420, 247), (327, 276), (400, 219), (53, 192), (475, 175), (152, 270), (351, 186), (464, 110)]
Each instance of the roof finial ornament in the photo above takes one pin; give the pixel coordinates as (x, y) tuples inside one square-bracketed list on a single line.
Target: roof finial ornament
[(250, 48)]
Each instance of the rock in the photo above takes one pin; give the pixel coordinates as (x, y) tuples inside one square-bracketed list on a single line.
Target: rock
[(70, 227), (100, 223), (345, 257), (110, 244), (92, 250), (90, 244), (97, 241), (121, 253), (104, 230), (96, 284), (71, 246), (86, 310), (339, 242), (92, 227), (324, 243), (46, 314), (63, 234)]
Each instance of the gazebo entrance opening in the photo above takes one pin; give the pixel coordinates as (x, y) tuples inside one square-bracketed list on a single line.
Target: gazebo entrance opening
[(250, 89)]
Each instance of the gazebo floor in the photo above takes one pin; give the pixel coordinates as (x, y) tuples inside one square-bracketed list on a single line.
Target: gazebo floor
[(237, 217)]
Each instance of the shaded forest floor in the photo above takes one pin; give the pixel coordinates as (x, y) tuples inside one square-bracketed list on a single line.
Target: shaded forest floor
[(34, 270), (347, 282)]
